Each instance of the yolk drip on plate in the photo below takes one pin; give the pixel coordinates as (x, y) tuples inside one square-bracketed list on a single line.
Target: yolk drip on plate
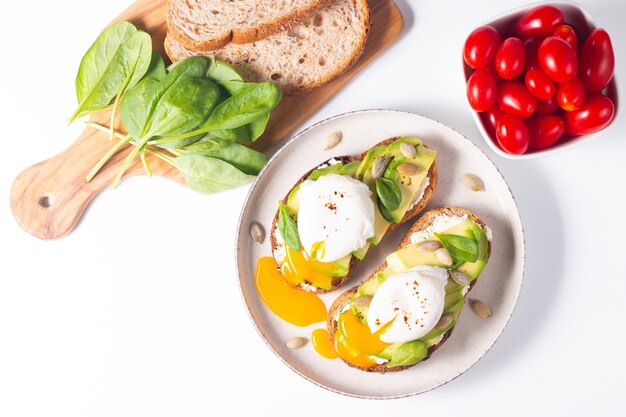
[(355, 343), (298, 268), (290, 304), (322, 345)]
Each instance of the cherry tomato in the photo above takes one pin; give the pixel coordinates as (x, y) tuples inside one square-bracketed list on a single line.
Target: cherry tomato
[(514, 98), (539, 84), (531, 46), (540, 21), (512, 134), (558, 59), (482, 90), (594, 115), (547, 106), (481, 46), (491, 119), (567, 33), (545, 131), (597, 61), (510, 58), (571, 95)]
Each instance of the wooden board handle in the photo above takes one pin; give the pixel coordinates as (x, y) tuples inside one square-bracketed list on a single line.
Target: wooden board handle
[(48, 198)]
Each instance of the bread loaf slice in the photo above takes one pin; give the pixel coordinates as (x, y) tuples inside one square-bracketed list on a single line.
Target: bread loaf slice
[(343, 300), (277, 243), (301, 58), (203, 25)]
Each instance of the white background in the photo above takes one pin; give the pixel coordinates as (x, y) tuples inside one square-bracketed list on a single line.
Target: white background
[(137, 312)]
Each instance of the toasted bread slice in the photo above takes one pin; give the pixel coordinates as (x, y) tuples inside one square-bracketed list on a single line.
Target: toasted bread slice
[(210, 24), (301, 58), (410, 214), (343, 300)]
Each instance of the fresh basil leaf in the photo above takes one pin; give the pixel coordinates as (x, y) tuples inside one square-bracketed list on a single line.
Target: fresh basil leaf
[(462, 249), (408, 353), (389, 193), (209, 175), (241, 157), (116, 61), (385, 213), (244, 107), (287, 228)]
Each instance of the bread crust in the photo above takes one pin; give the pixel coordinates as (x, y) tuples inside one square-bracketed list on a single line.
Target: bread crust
[(241, 36), (344, 299), (428, 194), (287, 89)]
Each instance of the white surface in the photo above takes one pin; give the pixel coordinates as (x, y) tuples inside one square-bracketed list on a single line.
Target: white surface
[(123, 318), (499, 284)]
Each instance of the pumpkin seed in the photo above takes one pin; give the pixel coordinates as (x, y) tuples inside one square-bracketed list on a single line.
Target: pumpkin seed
[(428, 246), (408, 169), (332, 140), (296, 342), (480, 309), (257, 232), (380, 164), (459, 277), (408, 150), (472, 182), (443, 256), (444, 321), (363, 301)]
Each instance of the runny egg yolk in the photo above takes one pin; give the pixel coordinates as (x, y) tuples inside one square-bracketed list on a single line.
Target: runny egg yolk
[(322, 345), (298, 268), (290, 304), (355, 343)]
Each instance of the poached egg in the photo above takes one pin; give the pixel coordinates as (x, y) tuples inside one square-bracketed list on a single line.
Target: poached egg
[(335, 217), (412, 301)]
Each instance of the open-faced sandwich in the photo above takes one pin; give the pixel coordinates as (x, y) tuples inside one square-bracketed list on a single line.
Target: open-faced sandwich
[(336, 211), (408, 307)]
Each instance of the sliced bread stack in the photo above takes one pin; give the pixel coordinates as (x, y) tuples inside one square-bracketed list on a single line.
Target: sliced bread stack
[(299, 44)]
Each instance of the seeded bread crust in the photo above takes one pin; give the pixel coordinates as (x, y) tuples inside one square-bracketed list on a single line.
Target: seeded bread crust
[(344, 299), (184, 16), (428, 194), (302, 58)]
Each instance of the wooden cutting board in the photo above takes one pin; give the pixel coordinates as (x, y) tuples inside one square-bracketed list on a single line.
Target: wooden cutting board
[(48, 198)]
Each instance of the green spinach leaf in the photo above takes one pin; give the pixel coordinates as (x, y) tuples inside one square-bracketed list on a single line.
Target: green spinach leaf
[(241, 157), (209, 175), (244, 107), (116, 61), (462, 249), (221, 72), (287, 228), (408, 353), (389, 193)]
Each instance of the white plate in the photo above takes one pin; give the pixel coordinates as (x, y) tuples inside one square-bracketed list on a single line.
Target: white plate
[(499, 285)]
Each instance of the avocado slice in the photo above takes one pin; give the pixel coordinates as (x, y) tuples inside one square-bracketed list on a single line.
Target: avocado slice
[(408, 186), (387, 353), (359, 311), (369, 287), (409, 256), (473, 269)]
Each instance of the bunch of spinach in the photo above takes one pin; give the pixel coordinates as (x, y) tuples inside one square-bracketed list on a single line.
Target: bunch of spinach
[(194, 115)]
